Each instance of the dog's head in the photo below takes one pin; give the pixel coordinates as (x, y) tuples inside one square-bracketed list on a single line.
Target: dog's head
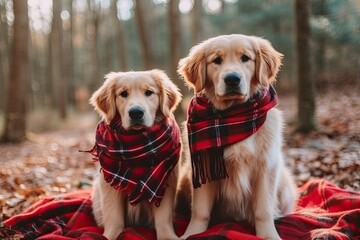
[(139, 97), (230, 68)]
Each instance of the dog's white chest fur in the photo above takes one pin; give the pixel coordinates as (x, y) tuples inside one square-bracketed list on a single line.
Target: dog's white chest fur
[(245, 160)]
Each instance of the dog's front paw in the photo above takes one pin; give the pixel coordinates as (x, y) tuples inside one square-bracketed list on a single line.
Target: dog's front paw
[(266, 229), (196, 225), (167, 237), (268, 235), (184, 237), (112, 234), (166, 232), (271, 237)]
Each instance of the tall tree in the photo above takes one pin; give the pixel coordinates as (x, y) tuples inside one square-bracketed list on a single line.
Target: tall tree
[(175, 37), (93, 40), (15, 112), (139, 14), (175, 48), (196, 27), (120, 39), (70, 52), (63, 86), (55, 79), (57, 59), (321, 42), (4, 53), (306, 86)]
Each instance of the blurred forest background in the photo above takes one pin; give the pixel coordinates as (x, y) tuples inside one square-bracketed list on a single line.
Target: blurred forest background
[(54, 54), (72, 44)]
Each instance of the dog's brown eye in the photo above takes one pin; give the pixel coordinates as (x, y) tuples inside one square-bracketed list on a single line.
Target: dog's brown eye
[(244, 58), (217, 61), (148, 93), (124, 94)]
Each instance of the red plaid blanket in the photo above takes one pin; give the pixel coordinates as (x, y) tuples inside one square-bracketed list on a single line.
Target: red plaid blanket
[(138, 162), (210, 130), (324, 211)]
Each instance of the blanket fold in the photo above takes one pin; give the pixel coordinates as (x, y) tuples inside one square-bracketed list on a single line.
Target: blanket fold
[(324, 211)]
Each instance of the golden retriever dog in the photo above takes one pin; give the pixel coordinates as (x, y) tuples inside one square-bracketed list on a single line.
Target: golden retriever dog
[(229, 70), (142, 99)]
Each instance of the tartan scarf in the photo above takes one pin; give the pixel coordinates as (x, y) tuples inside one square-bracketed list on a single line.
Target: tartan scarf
[(211, 130), (138, 162)]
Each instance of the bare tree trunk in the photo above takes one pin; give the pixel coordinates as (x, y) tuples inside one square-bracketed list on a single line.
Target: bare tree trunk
[(2, 77), (321, 41), (55, 78), (4, 54), (175, 37), (122, 47), (70, 54), (121, 41), (15, 113), (109, 60), (306, 88), (196, 27), (58, 82), (50, 98), (63, 73), (93, 48), (175, 49), (139, 14)]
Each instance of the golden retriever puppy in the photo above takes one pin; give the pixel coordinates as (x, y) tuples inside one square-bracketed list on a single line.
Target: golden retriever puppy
[(235, 134), (138, 147)]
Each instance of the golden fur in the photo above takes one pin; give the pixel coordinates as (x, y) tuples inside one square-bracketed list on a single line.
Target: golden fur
[(153, 93), (259, 187)]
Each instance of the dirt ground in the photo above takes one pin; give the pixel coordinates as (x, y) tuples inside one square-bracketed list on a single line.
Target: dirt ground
[(50, 163)]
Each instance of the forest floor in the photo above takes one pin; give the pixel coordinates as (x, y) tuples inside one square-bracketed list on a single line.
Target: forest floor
[(50, 163)]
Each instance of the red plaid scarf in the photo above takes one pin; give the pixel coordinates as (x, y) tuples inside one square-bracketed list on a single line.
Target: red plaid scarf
[(210, 130), (138, 162)]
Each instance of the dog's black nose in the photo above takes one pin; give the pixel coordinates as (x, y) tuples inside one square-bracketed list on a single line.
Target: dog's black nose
[(232, 79), (136, 113)]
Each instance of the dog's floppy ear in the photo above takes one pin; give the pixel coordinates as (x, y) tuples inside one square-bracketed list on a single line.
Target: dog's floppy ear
[(268, 62), (170, 95), (103, 99), (193, 68)]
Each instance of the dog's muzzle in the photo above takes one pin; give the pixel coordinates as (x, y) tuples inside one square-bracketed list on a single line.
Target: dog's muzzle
[(232, 82), (136, 114), (232, 79)]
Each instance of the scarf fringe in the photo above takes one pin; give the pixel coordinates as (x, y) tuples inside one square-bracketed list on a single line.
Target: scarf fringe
[(93, 152), (202, 172)]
